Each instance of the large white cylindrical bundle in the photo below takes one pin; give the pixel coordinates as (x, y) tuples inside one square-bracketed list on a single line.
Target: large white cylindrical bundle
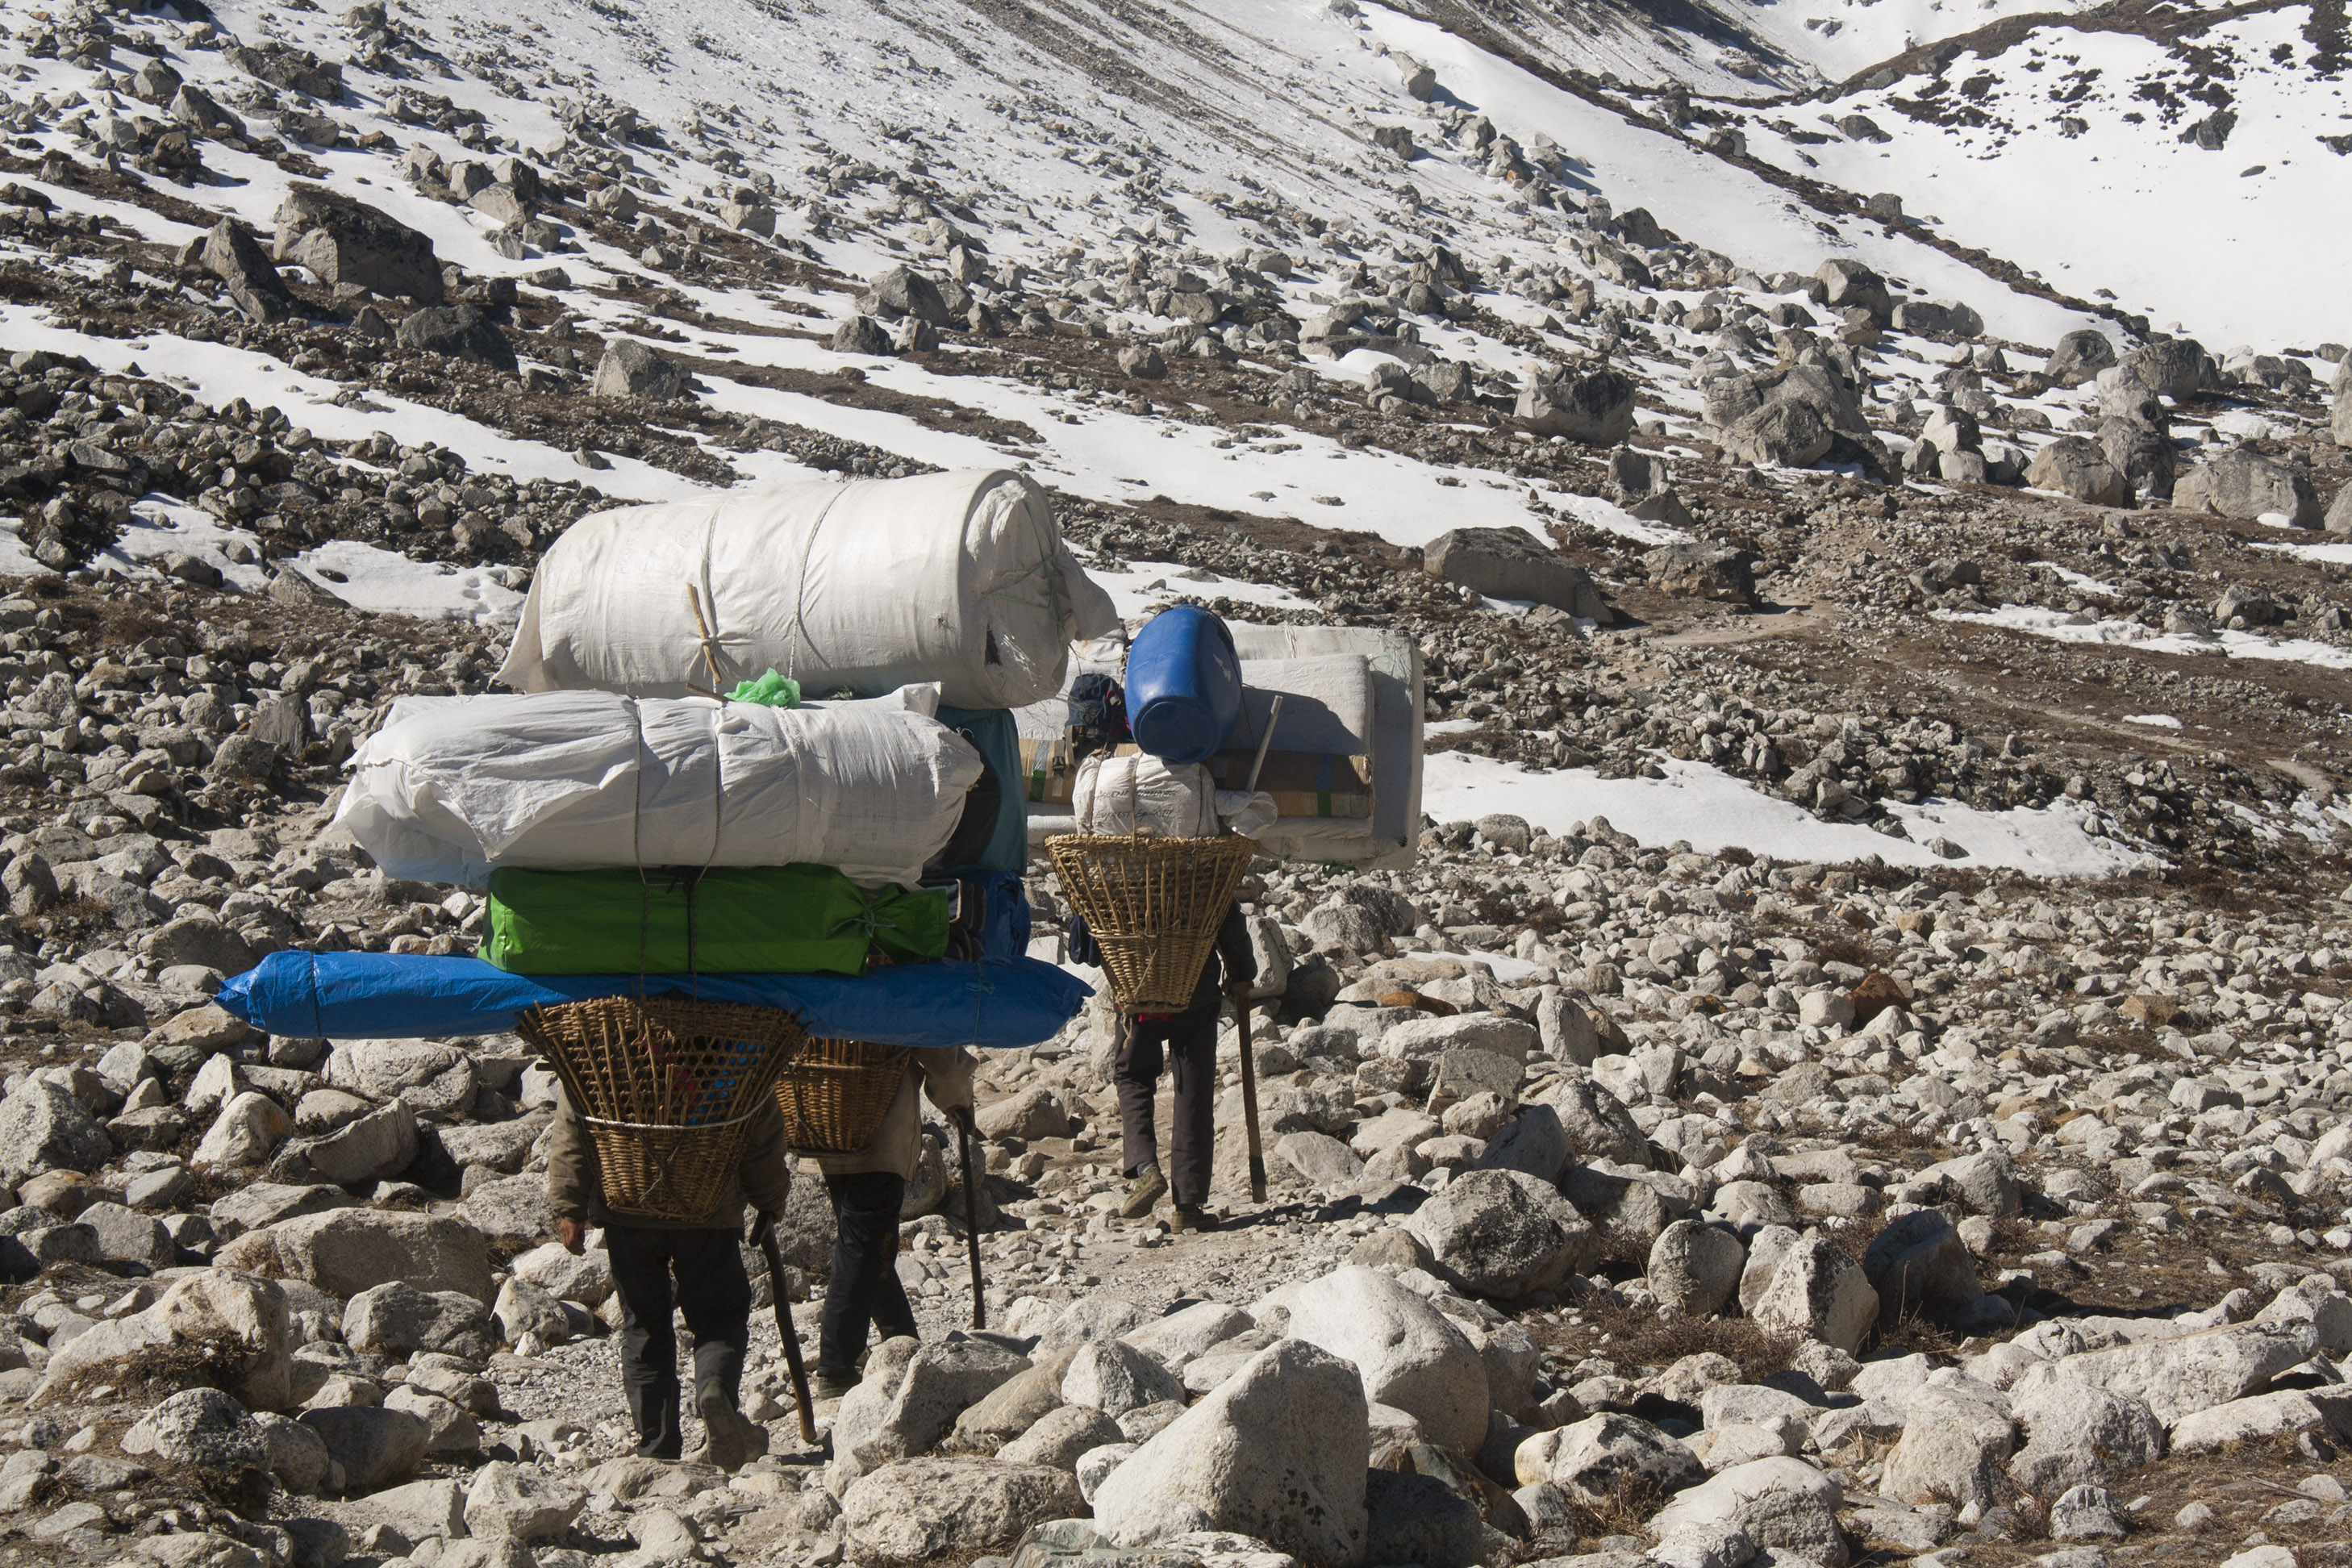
[(959, 578), (572, 780)]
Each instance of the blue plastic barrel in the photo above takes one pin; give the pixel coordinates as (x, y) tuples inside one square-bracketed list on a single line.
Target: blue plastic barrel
[(1183, 685)]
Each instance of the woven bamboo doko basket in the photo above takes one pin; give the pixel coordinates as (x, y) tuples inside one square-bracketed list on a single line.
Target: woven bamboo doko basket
[(834, 1093), (667, 1086), (1153, 905)]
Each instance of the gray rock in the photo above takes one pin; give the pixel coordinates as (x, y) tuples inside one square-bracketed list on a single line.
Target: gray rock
[(346, 241), (249, 1127), (298, 1456), (2177, 1377), (1596, 1459), (903, 291), (375, 1446), (1060, 1437), (1919, 1261), (1408, 1353), (207, 1428), (395, 1318), (433, 1079), (239, 1319), (919, 1511), (2084, 1513), (1819, 1293), (1593, 405), (2243, 483), (1784, 1504), (860, 335), (369, 1148), (2079, 356), (126, 1235), (1785, 433), (1418, 1520), (1278, 1451), (1695, 1267), (1503, 1233), (460, 331), (525, 1504), (1512, 564), (2077, 1436), (44, 1128), (912, 1393), (631, 368), (346, 1251), (1954, 1449), (1115, 1377), (510, 1210)]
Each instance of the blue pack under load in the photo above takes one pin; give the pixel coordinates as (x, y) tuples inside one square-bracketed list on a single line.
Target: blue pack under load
[(391, 996), (990, 996)]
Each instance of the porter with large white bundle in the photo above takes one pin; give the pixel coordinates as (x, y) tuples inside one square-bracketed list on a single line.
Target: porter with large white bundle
[(959, 578), (573, 780)]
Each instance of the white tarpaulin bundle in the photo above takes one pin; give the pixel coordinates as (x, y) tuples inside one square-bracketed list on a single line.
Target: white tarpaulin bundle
[(959, 578), (573, 780), (1138, 793)]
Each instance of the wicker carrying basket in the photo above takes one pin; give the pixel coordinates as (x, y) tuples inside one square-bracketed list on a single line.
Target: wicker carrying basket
[(668, 1088), (835, 1094), (1153, 905)]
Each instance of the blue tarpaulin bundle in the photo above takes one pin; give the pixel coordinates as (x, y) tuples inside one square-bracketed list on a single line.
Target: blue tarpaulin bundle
[(992, 1005)]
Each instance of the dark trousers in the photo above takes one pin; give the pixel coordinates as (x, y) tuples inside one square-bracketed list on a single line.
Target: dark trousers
[(713, 1292), (1187, 1042), (864, 1292)]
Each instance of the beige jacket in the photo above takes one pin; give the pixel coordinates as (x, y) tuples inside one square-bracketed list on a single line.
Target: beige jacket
[(575, 1188), (945, 1077)]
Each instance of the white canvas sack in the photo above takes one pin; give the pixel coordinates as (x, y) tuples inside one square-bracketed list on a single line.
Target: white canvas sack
[(572, 780), (959, 578)]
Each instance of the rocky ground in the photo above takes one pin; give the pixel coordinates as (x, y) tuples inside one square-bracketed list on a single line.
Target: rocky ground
[(1629, 1202)]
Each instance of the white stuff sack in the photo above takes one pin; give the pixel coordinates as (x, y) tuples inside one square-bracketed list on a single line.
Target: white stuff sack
[(1138, 793), (573, 780), (959, 578)]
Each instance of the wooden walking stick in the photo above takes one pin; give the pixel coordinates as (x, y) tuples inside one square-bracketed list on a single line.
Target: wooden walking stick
[(1241, 1000), (1249, 1094), (764, 1235), (964, 1131)]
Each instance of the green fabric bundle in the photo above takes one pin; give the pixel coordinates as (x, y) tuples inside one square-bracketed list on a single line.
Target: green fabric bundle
[(769, 919)]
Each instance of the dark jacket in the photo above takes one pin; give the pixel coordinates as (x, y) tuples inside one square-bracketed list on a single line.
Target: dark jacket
[(1235, 961), (575, 1190)]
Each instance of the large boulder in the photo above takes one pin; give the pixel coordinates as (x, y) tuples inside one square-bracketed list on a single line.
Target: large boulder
[(508, 1500), (1920, 1262), (1278, 1451), (1410, 1355), (2081, 1437), (434, 1079), (1783, 433), (1729, 399), (1418, 1519), (1954, 1449), (912, 1393), (44, 1128), (1600, 1457), (249, 1127), (2078, 467), (1597, 1124), (346, 1251), (2177, 1377), (2242, 482), (1115, 1377), (1694, 1267), (1593, 405), (903, 291), (919, 1511), (372, 1147), (253, 284), (374, 1445), (2079, 356), (1848, 284), (1503, 1233), (345, 241), (460, 331), (1781, 1503), (630, 369), (2177, 368), (1818, 1291), (214, 1327), (395, 1318), (1512, 564), (205, 1428)]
